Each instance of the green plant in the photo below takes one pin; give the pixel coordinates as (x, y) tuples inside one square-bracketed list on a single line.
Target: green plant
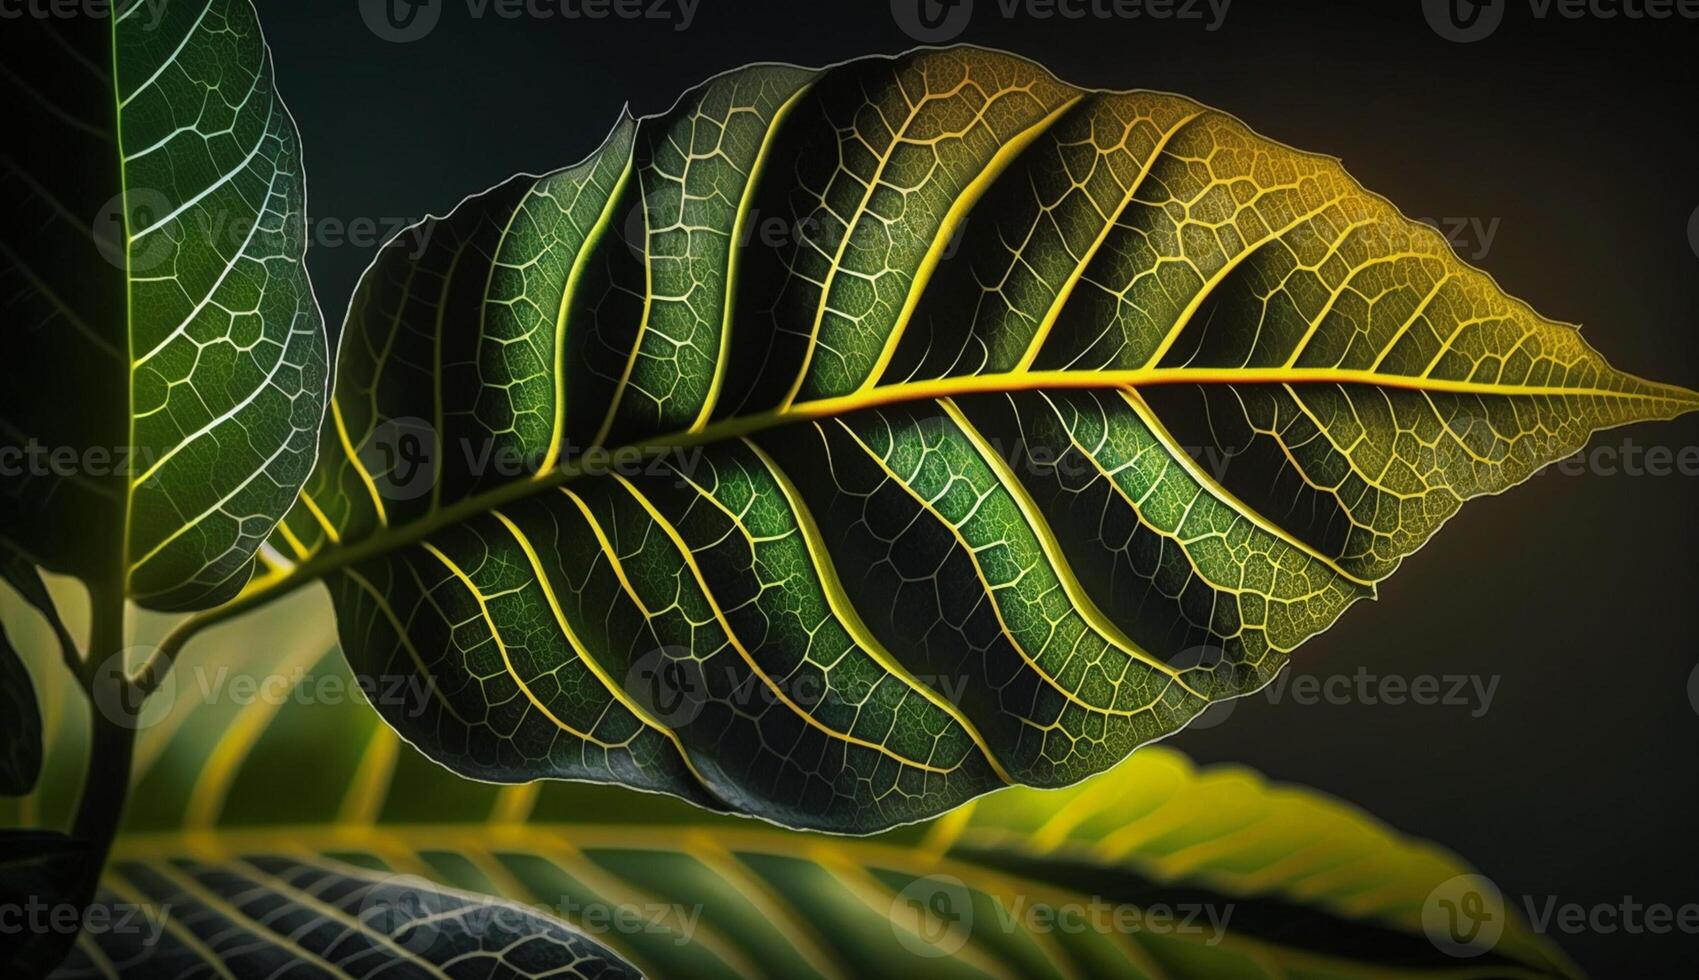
[(816, 450)]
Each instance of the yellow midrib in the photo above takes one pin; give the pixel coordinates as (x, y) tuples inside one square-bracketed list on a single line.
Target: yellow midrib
[(334, 559)]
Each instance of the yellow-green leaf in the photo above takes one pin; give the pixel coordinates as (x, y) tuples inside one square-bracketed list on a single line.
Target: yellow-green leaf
[(841, 445)]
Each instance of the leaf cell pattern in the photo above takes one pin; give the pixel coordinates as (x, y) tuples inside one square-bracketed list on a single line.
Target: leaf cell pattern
[(261, 916), (170, 360), (857, 429)]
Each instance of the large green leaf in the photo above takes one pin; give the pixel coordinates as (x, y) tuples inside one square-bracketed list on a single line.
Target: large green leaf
[(164, 376), (902, 358), (1298, 885)]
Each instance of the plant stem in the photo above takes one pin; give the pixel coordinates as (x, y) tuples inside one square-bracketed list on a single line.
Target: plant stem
[(114, 706)]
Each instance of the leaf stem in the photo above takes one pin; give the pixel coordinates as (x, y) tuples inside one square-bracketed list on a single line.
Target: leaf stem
[(114, 705)]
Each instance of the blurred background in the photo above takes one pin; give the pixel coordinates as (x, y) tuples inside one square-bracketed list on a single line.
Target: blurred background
[(1556, 751)]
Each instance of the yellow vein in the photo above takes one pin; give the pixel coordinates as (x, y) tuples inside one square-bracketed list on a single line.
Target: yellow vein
[(403, 637), (607, 883), (689, 559), (514, 803), (951, 224), (302, 552), (1215, 279), (1052, 548), (595, 667), (744, 208), (1344, 287), (355, 461), (985, 582), (880, 899), (501, 647), (319, 516), (1054, 313), (636, 341), (97, 956), (705, 848), (212, 785), (1666, 401), (1187, 462), (843, 607), (1416, 314), (898, 138), (574, 277), (612, 555)]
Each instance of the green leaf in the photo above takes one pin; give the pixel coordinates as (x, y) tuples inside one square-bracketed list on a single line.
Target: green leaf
[(1299, 885), (818, 449), (164, 382)]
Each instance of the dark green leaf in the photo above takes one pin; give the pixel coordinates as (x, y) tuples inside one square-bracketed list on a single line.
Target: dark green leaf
[(267, 916)]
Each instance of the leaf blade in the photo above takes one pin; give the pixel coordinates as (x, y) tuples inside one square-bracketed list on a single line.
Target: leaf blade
[(178, 310), (952, 499)]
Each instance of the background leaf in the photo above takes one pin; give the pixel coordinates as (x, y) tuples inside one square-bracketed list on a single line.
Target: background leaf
[(165, 377), (923, 372), (264, 752), (264, 916)]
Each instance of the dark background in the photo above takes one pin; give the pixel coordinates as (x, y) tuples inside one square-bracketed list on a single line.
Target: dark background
[(1576, 136)]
